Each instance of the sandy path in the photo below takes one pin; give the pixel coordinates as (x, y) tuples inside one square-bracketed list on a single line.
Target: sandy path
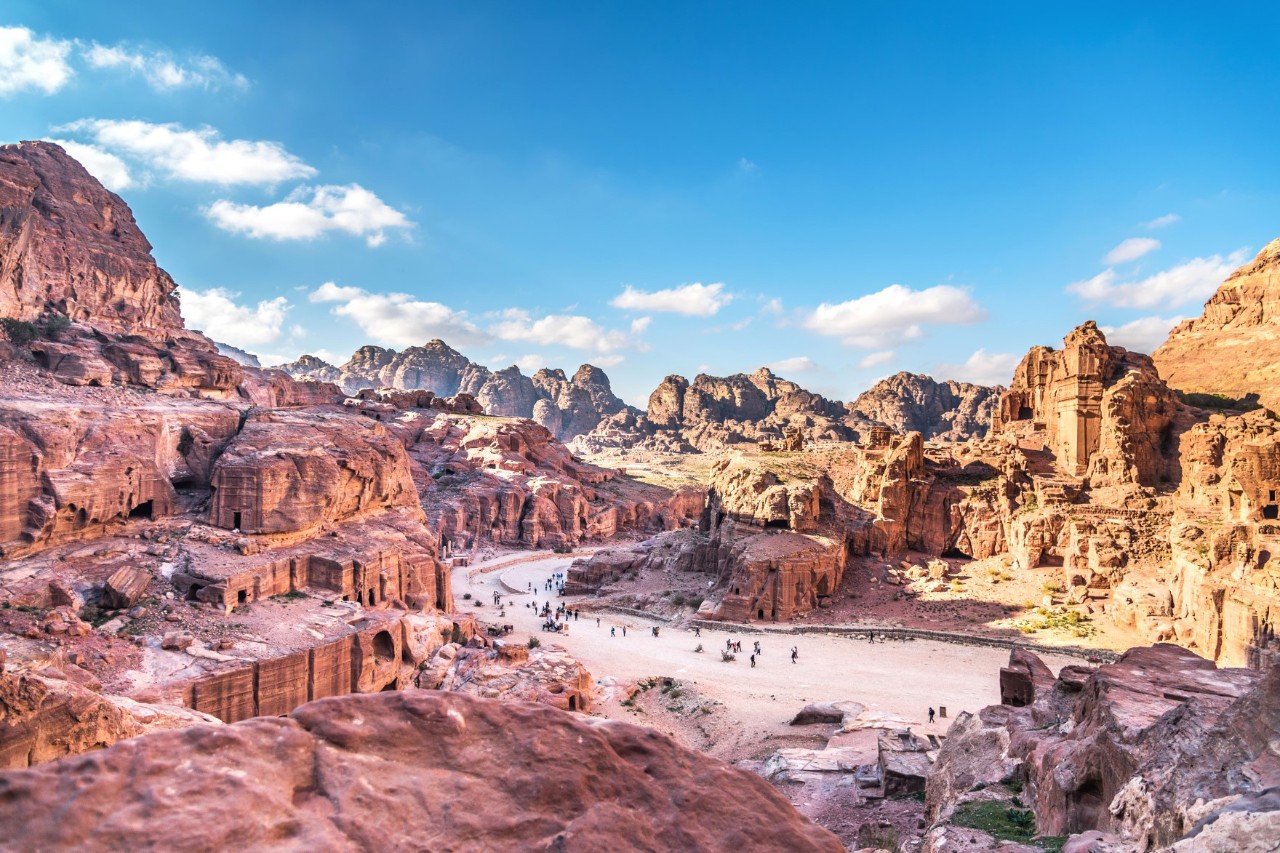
[(900, 679)]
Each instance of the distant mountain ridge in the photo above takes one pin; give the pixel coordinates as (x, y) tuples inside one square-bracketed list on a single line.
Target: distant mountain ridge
[(567, 406)]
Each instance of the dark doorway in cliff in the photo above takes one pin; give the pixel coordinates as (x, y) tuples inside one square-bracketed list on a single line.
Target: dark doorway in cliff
[(384, 648), (371, 601), (143, 510), (777, 524), (573, 703), (1024, 413), (955, 553), (390, 688), (1271, 511), (193, 592), (242, 597), (760, 614), (235, 521), (1084, 805)]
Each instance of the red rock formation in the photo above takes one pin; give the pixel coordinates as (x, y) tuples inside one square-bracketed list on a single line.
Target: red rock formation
[(1232, 349), (347, 773), (940, 411), (69, 247), (1140, 749), (290, 471)]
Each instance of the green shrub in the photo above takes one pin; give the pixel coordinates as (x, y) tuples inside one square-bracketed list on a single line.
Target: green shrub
[(533, 643), (19, 332)]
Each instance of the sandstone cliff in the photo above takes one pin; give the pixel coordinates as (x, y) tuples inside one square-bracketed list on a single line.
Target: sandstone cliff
[(940, 411), (70, 247), (1233, 348)]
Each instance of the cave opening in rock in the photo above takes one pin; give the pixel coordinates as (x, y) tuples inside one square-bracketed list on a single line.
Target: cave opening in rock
[(1084, 805), (142, 510), (242, 597), (776, 524), (955, 553), (1271, 512), (193, 592), (371, 599), (573, 703), (235, 521), (384, 648)]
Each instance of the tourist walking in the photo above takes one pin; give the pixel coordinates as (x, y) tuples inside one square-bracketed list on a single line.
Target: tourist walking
[(613, 631), (753, 661), (795, 653), (931, 715)]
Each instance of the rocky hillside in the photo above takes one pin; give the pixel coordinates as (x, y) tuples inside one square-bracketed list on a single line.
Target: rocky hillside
[(71, 248), (567, 406), (943, 411), (1233, 348)]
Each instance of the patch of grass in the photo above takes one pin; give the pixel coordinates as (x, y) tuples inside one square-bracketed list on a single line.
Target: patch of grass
[(291, 595), (1001, 819), (533, 643), (695, 602), (1057, 619), (678, 599)]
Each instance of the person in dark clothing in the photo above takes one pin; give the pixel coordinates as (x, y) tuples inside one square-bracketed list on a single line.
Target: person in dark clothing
[(931, 715)]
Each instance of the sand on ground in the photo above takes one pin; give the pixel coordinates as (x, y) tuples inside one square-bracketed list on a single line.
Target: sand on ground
[(900, 680)]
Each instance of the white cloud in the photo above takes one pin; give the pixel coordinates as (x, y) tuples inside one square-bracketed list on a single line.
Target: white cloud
[(983, 368), (308, 212), (531, 363), (1192, 281), (692, 300), (103, 165), (1131, 249), (773, 306), (558, 329), (1162, 221), (640, 325), (200, 155), (881, 318), (162, 70), (876, 359), (216, 313), (31, 62), (1143, 334), (797, 364), (608, 360), (398, 319)]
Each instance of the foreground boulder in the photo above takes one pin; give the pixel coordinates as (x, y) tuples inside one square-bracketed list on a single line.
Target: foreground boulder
[(1158, 749), (402, 771)]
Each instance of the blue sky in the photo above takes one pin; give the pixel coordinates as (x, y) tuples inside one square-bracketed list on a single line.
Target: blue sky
[(840, 191)]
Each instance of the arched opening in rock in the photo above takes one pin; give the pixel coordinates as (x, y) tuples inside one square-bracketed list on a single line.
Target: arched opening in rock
[(955, 553), (573, 703), (777, 524), (390, 688), (235, 521), (1084, 804), (242, 597), (760, 613), (384, 648), (371, 599), (193, 592), (142, 510)]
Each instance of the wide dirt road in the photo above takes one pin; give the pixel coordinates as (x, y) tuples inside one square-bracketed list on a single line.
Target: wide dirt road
[(898, 680)]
